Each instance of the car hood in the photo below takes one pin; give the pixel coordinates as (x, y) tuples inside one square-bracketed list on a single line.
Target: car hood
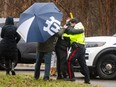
[(100, 38)]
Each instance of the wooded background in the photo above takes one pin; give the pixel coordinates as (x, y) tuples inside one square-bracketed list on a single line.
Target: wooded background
[(98, 16)]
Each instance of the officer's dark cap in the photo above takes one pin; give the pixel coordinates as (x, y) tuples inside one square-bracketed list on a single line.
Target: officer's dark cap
[(74, 20)]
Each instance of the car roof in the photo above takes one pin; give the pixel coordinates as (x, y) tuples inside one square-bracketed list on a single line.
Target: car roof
[(2, 20)]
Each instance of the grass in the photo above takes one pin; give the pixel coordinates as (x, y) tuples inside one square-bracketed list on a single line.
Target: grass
[(27, 80)]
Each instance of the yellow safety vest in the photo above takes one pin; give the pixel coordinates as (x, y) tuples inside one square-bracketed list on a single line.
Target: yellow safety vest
[(79, 38)]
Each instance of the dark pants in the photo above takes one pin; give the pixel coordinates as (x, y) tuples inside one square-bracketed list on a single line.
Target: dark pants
[(8, 65), (10, 61), (78, 53), (61, 61), (47, 59), (10, 57)]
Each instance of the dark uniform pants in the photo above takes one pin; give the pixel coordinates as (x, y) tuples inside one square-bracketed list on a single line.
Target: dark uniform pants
[(61, 61), (78, 53)]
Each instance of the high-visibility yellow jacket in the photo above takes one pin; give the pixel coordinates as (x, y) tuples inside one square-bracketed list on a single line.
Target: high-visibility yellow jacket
[(79, 38)]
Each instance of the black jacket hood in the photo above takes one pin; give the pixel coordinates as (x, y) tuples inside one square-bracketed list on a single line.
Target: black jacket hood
[(9, 21)]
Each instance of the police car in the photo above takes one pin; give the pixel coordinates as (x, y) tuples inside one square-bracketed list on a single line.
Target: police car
[(101, 56)]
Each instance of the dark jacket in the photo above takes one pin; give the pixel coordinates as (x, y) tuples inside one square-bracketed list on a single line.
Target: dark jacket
[(10, 37), (72, 31), (49, 45)]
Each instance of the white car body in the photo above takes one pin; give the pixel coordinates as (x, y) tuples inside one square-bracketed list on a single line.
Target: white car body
[(101, 47), (93, 51)]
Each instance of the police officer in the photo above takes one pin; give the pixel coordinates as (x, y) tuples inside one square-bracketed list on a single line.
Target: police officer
[(77, 52), (62, 47)]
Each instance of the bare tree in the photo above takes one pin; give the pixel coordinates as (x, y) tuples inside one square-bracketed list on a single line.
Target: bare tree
[(98, 16)]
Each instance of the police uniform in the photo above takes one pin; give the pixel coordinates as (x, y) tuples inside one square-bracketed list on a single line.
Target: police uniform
[(78, 52)]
